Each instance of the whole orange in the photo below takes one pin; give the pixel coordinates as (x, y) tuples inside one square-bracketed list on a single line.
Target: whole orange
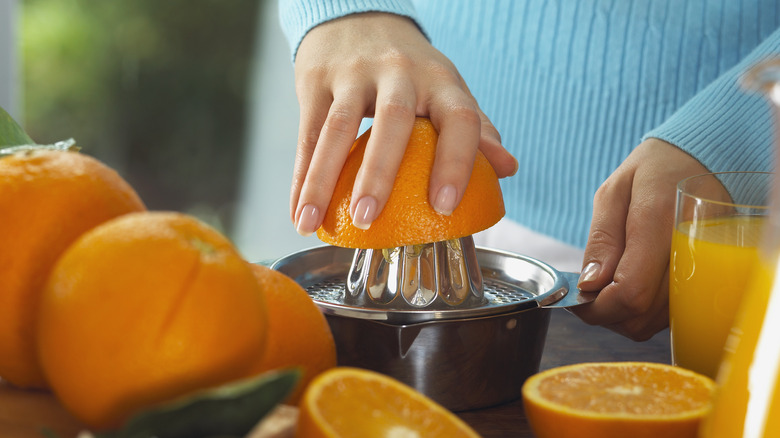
[(408, 217), (298, 334), (143, 309), (47, 199)]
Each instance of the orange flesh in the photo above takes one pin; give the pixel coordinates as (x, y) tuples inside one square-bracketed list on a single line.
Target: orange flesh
[(614, 390), (355, 403)]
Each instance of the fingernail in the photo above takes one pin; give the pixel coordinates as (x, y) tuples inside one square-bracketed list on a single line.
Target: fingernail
[(589, 273), (365, 212), (445, 200), (308, 221)]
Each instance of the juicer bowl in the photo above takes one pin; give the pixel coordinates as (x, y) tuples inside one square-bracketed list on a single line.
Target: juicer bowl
[(462, 357)]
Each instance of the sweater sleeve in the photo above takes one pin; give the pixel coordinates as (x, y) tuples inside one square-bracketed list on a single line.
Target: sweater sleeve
[(298, 17), (724, 126)]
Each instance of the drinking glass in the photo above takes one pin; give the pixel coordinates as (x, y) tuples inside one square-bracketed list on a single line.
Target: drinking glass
[(718, 224)]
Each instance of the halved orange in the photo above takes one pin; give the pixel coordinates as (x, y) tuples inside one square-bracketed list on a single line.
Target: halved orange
[(350, 402), (408, 217), (617, 399)]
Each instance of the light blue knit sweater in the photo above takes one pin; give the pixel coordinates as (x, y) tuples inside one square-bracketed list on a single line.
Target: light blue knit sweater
[(574, 85)]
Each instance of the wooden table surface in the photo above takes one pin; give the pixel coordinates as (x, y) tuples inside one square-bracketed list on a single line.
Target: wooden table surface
[(23, 413)]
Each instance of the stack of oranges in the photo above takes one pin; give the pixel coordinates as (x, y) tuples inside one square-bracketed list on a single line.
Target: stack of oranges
[(115, 308)]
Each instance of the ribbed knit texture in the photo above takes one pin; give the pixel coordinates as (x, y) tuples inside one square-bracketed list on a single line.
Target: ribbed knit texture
[(300, 16), (573, 86)]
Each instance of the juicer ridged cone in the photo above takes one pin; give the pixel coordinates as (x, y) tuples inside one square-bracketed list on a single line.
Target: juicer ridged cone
[(433, 276)]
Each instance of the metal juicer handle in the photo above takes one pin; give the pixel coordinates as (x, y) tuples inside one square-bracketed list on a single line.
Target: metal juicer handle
[(573, 296)]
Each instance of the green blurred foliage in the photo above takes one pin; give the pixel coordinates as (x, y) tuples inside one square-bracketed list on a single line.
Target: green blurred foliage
[(155, 89)]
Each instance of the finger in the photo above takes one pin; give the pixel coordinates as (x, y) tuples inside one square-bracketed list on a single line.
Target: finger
[(633, 305), (644, 327), (653, 320), (459, 126), (606, 238), (390, 132), (336, 138), (313, 113), (490, 144), (639, 291)]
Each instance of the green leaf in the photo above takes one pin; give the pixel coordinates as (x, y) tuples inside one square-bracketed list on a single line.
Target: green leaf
[(11, 134), (231, 410)]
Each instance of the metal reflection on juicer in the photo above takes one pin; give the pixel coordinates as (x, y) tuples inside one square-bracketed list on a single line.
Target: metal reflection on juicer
[(432, 276)]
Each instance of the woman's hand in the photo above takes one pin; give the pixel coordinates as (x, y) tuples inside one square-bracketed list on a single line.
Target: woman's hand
[(380, 65), (627, 255)]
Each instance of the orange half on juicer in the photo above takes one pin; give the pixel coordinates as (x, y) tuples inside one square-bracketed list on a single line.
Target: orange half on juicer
[(413, 257)]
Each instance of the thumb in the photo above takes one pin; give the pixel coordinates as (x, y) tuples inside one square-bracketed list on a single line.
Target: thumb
[(607, 236)]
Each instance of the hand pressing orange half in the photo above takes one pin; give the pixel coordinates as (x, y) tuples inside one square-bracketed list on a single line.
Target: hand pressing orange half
[(408, 217), (47, 200), (617, 400)]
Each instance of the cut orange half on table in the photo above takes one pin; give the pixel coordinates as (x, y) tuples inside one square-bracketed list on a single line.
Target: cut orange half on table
[(617, 399), (350, 402), (408, 217)]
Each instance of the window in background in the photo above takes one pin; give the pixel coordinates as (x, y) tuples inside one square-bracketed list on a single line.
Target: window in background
[(155, 89)]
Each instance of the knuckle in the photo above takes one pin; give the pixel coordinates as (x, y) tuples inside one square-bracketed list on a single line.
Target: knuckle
[(465, 114), (605, 192), (339, 122), (396, 58), (310, 78), (601, 237), (491, 134), (306, 144), (457, 166), (636, 301), (374, 174), (443, 72), (396, 108)]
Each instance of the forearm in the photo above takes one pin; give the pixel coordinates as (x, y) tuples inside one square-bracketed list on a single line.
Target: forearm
[(724, 126)]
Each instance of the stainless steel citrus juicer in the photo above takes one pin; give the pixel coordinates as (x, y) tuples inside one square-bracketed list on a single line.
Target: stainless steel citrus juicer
[(464, 325)]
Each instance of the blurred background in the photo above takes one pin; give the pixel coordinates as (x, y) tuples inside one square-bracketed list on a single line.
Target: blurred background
[(191, 101)]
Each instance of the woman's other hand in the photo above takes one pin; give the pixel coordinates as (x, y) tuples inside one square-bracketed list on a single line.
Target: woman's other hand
[(627, 254)]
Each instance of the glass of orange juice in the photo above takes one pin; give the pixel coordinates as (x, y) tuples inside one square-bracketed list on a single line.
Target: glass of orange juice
[(747, 403), (718, 224)]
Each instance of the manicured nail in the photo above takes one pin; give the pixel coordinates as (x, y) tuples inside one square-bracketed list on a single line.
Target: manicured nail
[(445, 200), (308, 220), (365, 212), (589, 273)]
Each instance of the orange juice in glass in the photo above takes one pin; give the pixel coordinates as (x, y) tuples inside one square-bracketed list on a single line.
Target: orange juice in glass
[(718, 225), (748, 397)]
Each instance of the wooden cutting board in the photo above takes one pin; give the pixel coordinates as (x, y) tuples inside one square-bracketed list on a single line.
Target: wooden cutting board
[(24, 413)]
